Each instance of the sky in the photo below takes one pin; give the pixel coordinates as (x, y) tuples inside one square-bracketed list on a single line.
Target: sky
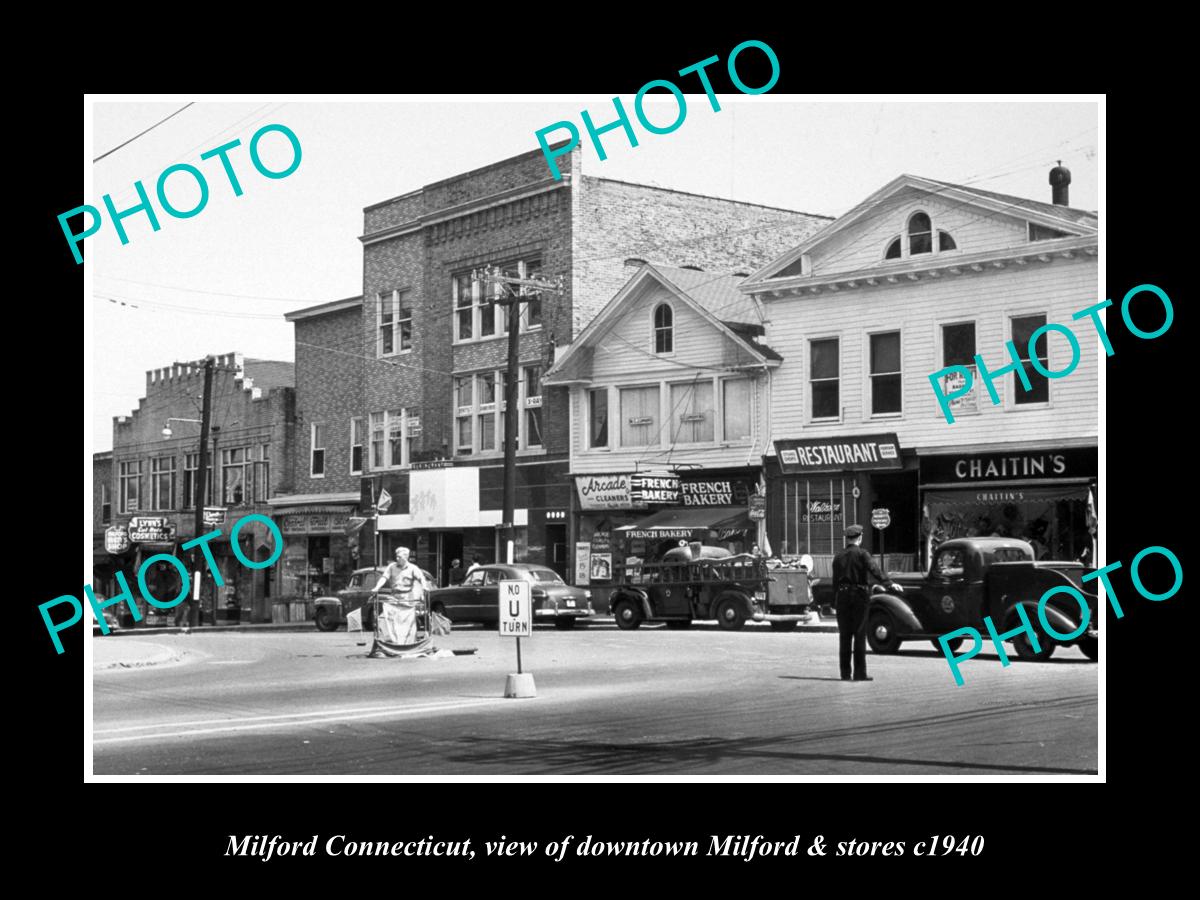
[(222, 280)]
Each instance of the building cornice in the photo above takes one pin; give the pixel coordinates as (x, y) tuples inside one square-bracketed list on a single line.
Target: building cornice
[(942, 265), (472, 206)]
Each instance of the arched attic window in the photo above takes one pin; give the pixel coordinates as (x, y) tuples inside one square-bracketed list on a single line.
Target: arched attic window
[(664, 329), (945, 241), (920, 234), (893, 249)]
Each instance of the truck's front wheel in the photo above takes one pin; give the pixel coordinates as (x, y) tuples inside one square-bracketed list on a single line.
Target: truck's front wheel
[(627, 614), (1025, 649), (730, 615)]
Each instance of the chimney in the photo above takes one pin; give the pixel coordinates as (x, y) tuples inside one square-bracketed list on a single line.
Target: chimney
[(1060, 180)]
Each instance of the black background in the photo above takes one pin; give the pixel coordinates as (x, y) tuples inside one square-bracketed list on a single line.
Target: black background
[(179, 831)]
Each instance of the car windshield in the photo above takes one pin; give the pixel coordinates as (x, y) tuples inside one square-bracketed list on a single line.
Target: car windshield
[(545, 576)]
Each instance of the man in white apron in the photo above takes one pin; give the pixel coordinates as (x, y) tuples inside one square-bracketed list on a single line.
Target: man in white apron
[(396, 622)]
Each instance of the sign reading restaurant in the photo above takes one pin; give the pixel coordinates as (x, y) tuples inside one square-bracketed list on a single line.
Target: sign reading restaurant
[(861, 451)]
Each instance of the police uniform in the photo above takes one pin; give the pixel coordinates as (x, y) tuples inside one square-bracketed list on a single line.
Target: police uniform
[(851, 569)]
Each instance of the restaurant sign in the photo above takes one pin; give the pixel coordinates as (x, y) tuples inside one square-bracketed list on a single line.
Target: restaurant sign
[(856, 452), (824, 511), (151, 529)]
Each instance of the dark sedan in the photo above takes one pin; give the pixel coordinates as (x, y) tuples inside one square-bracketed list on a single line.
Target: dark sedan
[(477, 599), (330, 612)]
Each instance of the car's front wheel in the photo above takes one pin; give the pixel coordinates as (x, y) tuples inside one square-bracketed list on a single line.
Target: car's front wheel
[(952, 646), (881, 632), (627, 614), (324, 619)]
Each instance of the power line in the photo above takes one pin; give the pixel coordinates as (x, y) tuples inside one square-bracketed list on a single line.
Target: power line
[(173, 287), (140, 133)]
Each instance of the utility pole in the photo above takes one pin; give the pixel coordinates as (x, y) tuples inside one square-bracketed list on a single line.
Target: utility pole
[(201, 480), (513, 291)]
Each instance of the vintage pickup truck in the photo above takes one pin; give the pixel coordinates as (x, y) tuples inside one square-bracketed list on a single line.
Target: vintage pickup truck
[(970, 578)]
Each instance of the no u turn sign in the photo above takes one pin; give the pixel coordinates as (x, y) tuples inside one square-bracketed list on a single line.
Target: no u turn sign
[(516, 616)]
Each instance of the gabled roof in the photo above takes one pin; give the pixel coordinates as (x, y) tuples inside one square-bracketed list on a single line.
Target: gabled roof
[(1074, 222), (715, 298)]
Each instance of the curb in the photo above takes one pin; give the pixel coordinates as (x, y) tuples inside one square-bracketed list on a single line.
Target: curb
[(261, 628)]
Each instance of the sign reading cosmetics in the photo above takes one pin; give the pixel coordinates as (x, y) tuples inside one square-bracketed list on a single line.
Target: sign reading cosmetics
[(151, 529), (861, 451)]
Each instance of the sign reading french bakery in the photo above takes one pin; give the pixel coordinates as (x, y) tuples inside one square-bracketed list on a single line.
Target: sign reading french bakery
[(860, 451), (654, 488), (714, 491)]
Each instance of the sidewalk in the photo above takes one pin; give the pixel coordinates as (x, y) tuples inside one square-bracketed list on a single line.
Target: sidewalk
[(133, 654)]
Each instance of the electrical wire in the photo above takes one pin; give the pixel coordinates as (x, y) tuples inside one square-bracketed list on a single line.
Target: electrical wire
[(140, 133)]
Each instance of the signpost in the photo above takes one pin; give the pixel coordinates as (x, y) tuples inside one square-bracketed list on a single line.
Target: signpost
[(881, 518), (516, 620)]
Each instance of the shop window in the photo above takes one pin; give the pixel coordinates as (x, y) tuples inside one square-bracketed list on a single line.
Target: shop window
[(356, 446), (162, 482), (234, 463), (317, 458), (598, 418), (105, 503), (131, 486), (920, 234), (639, 417), (262, 474), (736, 407), (1023, 328), (664, 329), (958, 349), (531, 387), (692, 408), (823, 378), (394, 324), (885, 373), (893, 249)]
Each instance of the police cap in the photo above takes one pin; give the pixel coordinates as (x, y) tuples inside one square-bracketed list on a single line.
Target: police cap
[(854, 531)]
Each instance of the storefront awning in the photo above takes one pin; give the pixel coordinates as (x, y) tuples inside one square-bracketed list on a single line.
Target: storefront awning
[(715, 517), (998, 495)]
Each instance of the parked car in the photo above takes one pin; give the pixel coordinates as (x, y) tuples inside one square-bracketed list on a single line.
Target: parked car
[(477, 599), (330, 612), (110, 618), (970, 578)]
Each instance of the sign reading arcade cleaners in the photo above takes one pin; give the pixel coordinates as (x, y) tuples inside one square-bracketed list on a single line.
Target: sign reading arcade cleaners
[(516, 615)]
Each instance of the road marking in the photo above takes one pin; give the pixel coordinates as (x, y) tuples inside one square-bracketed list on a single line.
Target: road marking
[(248, 723)]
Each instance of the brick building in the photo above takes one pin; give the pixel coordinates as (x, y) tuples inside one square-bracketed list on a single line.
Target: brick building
[(920, 276), (435, 346), (320, 551), (153, 465)]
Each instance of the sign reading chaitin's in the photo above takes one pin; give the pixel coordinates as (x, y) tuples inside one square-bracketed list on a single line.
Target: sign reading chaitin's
[(860, 451)]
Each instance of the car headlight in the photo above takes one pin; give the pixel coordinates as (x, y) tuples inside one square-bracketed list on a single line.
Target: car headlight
[(587, 595)]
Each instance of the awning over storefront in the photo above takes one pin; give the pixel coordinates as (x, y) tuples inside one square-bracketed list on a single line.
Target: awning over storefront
[(998, 495), (714, 517)]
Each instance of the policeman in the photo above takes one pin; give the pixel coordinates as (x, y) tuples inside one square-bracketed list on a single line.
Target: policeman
[(850, 570)]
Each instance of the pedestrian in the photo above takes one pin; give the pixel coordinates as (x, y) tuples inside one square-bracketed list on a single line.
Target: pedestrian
[(456, 572), (396, 618), (851, 569), (476, 562)]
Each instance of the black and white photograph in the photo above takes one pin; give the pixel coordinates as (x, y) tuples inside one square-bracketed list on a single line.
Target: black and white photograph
[(767, 445)]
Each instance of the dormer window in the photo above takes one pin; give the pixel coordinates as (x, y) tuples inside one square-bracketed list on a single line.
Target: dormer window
[(664, 329), (918, 239), (920, 234)]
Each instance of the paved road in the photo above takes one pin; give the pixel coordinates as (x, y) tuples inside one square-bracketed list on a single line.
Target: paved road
[(648, 702)]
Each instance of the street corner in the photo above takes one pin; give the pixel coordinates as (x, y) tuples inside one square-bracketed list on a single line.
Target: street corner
[(115, 656)]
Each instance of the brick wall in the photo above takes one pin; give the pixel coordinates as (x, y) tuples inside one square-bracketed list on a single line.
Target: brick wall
[(102, 474), (329, 392)]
